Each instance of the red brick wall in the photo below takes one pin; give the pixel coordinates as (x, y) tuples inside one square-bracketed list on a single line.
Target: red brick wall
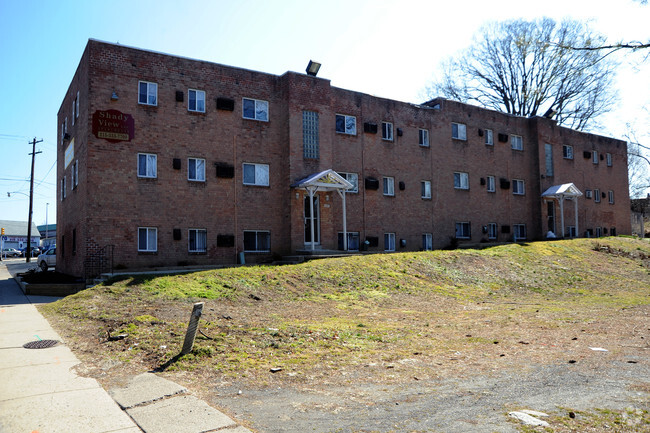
[(111, 202)]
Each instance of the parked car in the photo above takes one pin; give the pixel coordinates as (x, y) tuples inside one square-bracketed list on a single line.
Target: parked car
[(10, 252), (36, 251), (47, 259)]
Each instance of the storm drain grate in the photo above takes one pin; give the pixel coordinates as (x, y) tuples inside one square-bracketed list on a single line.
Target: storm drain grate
[(40, 344)]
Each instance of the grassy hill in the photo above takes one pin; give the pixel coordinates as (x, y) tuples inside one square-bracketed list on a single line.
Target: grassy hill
[(382, 317)]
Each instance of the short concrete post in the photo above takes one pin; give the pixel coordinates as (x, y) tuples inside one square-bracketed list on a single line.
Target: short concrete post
[(193, 326)]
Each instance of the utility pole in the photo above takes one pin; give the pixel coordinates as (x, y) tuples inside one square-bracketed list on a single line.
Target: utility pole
[(28, 251)]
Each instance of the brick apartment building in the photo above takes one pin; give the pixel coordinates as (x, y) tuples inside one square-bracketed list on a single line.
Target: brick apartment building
[(180, 161)]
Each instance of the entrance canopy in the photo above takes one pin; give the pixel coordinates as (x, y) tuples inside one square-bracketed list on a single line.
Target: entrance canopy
[(566, 191), (327, 180)]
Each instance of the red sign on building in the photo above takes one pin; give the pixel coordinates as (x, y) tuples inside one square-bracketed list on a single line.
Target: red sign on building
[(113, 125)]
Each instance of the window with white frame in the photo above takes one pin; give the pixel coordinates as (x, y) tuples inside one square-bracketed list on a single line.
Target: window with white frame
[(588, 193), (197, 240), (257, 241), (463, 230), (571, 232), (255, 109), (256, 174), (147, 93), (196, 100), (520, 231), (608, 156), (389, 186), (147, 165), (353, 178), (517, 142), (425, 187), (147, 239), (489, 137), (74, 105), (346, 124), (461, 180), (353, 241), (75, 172), (610, 194), (490, 184), (458, 131), (62, 195), (387, 131), (518, 187), (427, 241), (599, 232), (492, 230), (423, 137), (77, 104), (389, 241), (596, 195), (548, 157), (196, 169), (594, 156), (567, 152)]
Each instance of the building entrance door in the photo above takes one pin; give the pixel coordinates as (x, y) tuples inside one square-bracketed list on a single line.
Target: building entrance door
[(550, 206), (308, 220)]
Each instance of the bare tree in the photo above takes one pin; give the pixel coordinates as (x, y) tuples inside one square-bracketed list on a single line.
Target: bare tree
[(512, 68), (638, 165)]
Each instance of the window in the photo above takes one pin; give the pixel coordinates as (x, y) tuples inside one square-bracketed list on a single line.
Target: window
[(310, 143), (387, 131), (257, 241), (353, 241), (196, 169), (147, 239), (599, 232), (461, 180), (588, 193), (63, 187), (612, 231), (489, 137), (147, 163), (196, 100), (548, 153), (594, 156), (346, 124), (596, 195), (255, 109), (256, 174), (458, 131), (463, 231), (197, 241), (353, 178), (516, 142), (492, 230), (610, 194), (74, 174), (518, 187), (389, 186), (567, 152), (520, 231), (389, 241), (74, 104), (427, 241), (423, 137), (571, 232), (491, 184), (425, 189), (148, 93), (77, 104), (609, 159)]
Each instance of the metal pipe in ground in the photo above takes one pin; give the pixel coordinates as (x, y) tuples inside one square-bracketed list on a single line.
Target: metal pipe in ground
[(192, 327)]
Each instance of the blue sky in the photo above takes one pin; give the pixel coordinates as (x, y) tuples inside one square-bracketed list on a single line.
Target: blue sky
[(385, 48)]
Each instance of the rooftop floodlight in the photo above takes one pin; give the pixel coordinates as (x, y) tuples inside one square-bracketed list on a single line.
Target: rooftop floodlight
[(312, 68)]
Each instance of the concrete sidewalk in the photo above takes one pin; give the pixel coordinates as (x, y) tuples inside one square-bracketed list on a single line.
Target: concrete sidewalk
[(40, 394), (38, 390)]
